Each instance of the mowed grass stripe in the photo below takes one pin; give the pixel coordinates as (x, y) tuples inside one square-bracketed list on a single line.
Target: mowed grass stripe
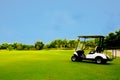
[(53, 65)]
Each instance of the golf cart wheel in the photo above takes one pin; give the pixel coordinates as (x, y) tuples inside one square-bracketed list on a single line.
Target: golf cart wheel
[(99, 60), (73, 58)]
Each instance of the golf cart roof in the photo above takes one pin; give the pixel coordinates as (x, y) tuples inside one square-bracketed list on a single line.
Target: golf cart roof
[(91, 36)]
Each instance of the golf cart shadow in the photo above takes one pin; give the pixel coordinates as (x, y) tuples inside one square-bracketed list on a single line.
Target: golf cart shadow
[(93, 62)]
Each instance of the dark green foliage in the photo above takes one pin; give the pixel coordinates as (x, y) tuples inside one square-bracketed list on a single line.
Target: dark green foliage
[(28, 47), (72, 43), (4, 45), (10, 47), (112, 40), (90, 43), (58, 43), (39, 45)]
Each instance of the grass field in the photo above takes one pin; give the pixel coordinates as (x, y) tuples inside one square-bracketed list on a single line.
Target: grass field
[(53, 65)]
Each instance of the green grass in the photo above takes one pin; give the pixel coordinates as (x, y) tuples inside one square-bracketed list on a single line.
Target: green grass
[(53, 65)]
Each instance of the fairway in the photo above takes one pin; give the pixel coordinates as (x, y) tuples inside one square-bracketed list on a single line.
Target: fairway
[(53, 65)]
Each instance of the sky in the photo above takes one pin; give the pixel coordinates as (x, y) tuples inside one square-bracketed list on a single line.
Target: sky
[(28, 21)]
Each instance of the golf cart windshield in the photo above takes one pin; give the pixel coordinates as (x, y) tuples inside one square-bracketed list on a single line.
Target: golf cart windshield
[(79, 45), (82, 44)]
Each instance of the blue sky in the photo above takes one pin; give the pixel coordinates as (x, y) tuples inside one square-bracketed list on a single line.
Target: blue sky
[(27, 21)]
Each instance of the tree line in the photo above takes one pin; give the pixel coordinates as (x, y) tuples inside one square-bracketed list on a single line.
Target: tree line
[(112, 40), (38, 45)]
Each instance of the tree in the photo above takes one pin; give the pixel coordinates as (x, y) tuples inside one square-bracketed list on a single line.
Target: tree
[(19, 46), (56, 44), (14, 45), (4, 45), (64, 43), (10, 47), (39, 45), (118, 38), (72, 43), (112, 40), (28, 47), (91, 43)]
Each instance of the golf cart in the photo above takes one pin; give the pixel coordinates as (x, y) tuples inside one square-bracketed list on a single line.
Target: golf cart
[(96, 54)]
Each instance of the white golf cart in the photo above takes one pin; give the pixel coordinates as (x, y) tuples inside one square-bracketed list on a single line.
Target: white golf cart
[(96, 55)]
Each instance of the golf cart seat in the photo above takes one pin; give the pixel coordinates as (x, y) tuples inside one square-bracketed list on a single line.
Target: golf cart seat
[(81, 53), (98, 49), (91, 52)]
